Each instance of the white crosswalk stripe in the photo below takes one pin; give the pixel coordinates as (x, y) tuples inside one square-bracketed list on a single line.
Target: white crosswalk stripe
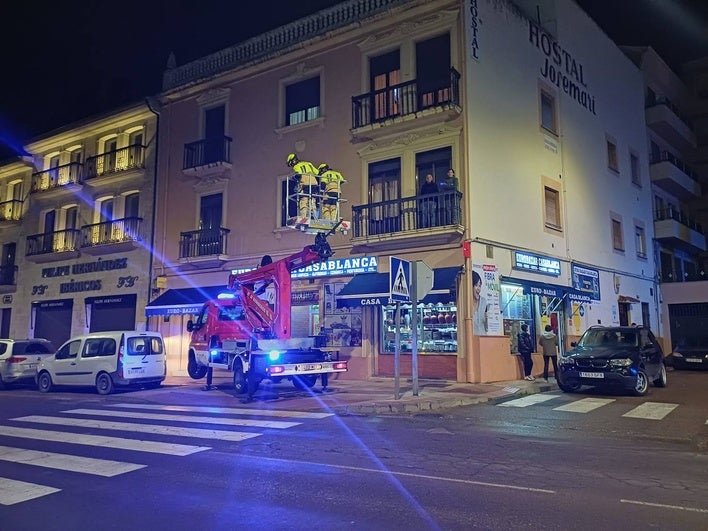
[(529, 400), (231, 411), (651, 411), (183, 418), (156, 429), (71, 463), (13, 491), (584, 405)]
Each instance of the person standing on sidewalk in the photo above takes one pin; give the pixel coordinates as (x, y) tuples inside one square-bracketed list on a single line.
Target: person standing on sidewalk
[(525, 345), (549, 348)]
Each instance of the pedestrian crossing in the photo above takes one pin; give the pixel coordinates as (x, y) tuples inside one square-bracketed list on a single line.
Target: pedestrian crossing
[(645, 410), (124, 427)]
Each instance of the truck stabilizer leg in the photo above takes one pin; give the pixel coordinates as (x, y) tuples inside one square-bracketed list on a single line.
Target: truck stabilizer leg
[(209, 376)]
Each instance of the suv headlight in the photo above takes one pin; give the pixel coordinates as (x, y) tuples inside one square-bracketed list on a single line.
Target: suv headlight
[(625, 362), (565, 360)]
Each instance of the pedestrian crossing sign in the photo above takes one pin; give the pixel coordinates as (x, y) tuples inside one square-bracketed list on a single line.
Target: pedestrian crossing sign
[(399, 279)]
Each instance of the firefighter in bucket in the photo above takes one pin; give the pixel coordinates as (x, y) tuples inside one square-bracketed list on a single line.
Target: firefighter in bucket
[(331, 185), (308, 188)]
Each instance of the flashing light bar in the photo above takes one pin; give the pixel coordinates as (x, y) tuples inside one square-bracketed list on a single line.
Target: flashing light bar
[(340, 365), (276, 369), (226, 295)]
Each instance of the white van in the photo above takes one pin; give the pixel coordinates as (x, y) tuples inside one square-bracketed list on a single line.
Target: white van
[(106, 360)]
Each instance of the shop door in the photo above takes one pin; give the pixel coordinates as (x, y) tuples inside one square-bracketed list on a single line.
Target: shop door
[(112, 313), (5, 323), (53, 320), (624, 313)]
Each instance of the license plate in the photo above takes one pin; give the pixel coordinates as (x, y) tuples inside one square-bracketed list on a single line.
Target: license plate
[(136, 372), (592, 375), (309, 367), (31, 366), (694, 360)]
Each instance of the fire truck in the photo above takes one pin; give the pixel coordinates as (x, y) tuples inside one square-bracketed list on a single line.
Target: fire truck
[(247, 329)]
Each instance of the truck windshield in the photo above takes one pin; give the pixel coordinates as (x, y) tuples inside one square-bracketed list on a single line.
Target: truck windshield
[(231, 313)]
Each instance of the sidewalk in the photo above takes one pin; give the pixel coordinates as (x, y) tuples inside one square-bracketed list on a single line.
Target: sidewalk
[(374, 396)]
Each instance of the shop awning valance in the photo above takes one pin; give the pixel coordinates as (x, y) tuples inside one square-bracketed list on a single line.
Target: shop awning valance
[(373, 289), (182, 301), (545, 289), (627, 298)]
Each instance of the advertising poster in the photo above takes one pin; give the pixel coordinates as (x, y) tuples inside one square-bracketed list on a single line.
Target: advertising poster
[(486, 305)]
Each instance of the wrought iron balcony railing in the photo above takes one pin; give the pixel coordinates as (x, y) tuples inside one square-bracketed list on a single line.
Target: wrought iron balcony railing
[(407, 214), (11, 210), (207, 151), (668, 157), (53, 242), (677, 215), (56, 177), (663, 100), (404, 99), (127, 158), (8, 275), (205, 242), (114, 231)]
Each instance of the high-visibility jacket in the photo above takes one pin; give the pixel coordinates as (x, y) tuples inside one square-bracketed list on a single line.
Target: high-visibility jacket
[(307, 172), (331, 180)]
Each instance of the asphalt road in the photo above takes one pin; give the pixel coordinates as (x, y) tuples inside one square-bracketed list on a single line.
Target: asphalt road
[(562, 463)]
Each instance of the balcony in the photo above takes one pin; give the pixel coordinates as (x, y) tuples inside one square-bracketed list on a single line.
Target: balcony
[(114, 165), (203, 249), (115, 236), (53, 246), (678, 230), (408, 105), (208, 159), (671, 174), (434, 219), (8, 278), (58, 180), (665, 119), (11, 212)]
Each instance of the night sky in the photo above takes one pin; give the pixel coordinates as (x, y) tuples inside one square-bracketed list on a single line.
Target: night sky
[(64, 61)]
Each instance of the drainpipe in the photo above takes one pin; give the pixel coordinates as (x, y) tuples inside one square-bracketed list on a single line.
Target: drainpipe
[(154, 203)]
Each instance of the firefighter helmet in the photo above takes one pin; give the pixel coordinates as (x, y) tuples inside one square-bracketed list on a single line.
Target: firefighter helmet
[(292, 159), (322, 168)]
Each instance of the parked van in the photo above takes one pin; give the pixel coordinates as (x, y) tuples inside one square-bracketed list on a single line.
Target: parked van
[(106, 360)]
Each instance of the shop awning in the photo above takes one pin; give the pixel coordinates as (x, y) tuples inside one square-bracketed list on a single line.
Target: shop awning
[(373, 289), (627, 298), (182, 301), (546, 289)]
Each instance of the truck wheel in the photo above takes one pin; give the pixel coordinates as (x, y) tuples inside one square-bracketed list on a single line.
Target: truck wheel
[(240, 381), (195, 371), (306, 381)]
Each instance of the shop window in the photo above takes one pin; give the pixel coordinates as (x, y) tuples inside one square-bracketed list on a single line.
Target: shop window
[(436, 332), (612, 161), (547, 103), (302, 101), (342, 327), (517, 309)]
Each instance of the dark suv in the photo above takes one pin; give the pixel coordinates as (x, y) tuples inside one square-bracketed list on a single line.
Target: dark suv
[(622, 356)]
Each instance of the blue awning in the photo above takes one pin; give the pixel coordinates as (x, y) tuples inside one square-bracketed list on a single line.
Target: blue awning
[(182, 301), (373, 289)]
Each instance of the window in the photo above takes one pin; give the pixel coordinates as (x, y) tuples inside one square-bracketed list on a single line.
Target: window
[(617, 239), (612, 161), (384, 187), (385, 72), (302, 101), (132, 205), (552, 212), (634, 166), (288, 202), (433, 71), (436, 161), (640, 241), (548, 112)]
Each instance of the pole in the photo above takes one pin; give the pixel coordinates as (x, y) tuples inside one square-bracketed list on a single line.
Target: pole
[(397, 354), (414, 324)]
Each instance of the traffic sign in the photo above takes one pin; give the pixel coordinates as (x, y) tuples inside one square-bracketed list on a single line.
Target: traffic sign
[(399, 279), (423, 279)]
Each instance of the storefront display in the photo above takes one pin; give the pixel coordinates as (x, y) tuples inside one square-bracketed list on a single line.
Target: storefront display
[(437, 328)]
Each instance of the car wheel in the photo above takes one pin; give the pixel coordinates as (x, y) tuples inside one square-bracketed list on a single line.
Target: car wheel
[(2, 384), (661, 380), (44, 382), (195, 371), (642, 385), (240, 382), (573, 386), (306, 381), (104, 384)]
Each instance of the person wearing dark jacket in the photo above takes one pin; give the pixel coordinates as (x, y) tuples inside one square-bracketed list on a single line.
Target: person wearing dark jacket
[(428, 206), (549, 349), (525, 345)]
